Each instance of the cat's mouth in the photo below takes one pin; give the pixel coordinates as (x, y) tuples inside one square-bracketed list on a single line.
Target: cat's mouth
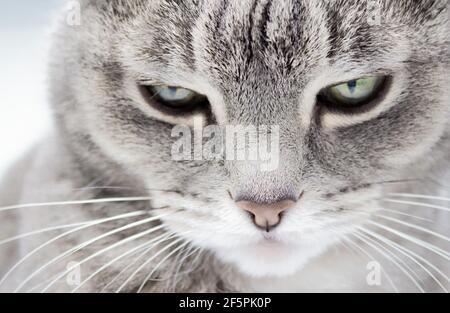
[(269, 246), (270, 239), (267, 257)]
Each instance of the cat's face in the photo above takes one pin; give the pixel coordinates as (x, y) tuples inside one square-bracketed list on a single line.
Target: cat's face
[(263, 63)]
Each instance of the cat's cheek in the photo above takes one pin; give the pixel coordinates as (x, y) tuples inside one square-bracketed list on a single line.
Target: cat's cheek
[(413, 153)]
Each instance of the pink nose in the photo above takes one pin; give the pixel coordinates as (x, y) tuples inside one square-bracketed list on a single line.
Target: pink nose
[(266, 216)]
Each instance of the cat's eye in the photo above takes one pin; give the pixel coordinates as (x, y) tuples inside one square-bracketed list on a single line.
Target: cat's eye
[(174, 100), (354, 94)]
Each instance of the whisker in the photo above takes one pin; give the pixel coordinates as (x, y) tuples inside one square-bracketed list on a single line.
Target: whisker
[(181, 253), (38, 286), (411, 255), (42, 231), (87, 243), (145, 264), (179, 259), (81, 246), (415, 240), (101, 221), (75, 202), (175, 260), (123, 188), (408, 215), (425, 230), (189, 252), (108, 264), (419, 196), (105, 188), (109, 248), (419, 204), (392, 182), (350, 248), (391, 256), (55, 276), (139, 257), (162, 262), (199, 252), (369, 255)]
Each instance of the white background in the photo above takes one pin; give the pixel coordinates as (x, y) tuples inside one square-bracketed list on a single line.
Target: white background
[(25, 33)]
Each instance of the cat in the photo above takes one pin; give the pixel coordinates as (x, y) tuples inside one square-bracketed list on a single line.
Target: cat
[(358, 91)]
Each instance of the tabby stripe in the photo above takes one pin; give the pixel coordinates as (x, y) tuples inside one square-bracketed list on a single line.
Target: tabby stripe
[(333, 26), (250, 31), (265, 19), (220, 15)]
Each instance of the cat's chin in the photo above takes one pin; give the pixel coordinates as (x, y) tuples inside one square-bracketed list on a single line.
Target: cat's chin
[(269, 258)]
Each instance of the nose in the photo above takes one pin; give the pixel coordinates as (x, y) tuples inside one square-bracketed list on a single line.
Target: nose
[(266, 215)]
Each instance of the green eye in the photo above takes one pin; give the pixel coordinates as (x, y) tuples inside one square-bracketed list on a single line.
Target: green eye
[(354, 93), (173, 94), (174, 100)]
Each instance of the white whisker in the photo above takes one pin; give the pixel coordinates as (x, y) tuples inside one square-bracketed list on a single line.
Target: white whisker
[(411, 255), (42, 231), (189, 252), (178, 271), (419, 204), (104, 187), (408, 215), (364, 251), (390, 258), (175, 261), (85, 244), (145, 264), (179, 259), (101, 221), (109, 248), (425, 230), (140, 256), (67, 203), (418, 196), (55, 276), (350, 248), (108, 264), (417, 241), (162, 262), (38, 286)]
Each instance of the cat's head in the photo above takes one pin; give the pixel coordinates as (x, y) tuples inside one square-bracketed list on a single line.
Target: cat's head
[(353, 93)]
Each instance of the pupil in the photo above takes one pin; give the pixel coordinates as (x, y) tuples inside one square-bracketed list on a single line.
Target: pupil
[(172, 90), (352, 85)]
